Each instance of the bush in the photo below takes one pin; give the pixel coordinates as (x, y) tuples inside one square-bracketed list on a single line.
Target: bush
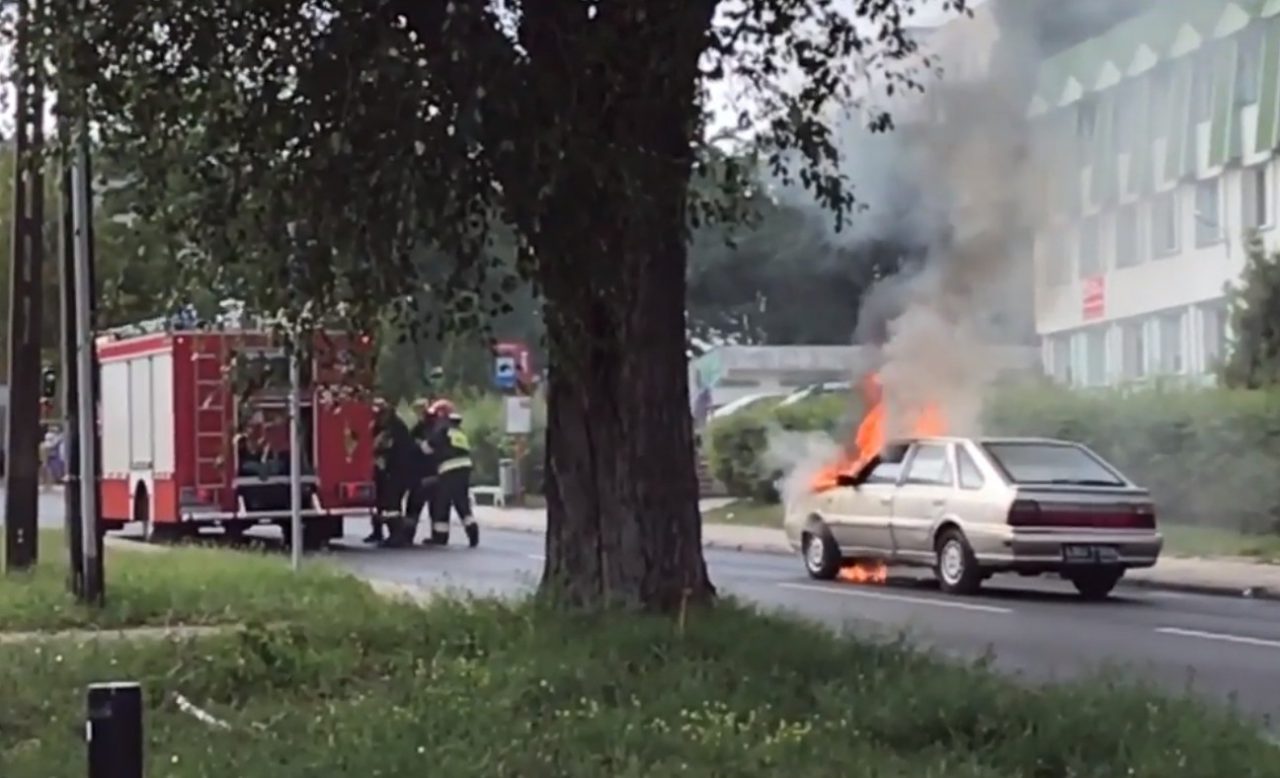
[(507, 689), (1209, 456), (737, 443), (482, 420)]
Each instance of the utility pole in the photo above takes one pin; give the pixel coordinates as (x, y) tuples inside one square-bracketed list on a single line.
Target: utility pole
[(25, 281), (70, 373), (86, 362)]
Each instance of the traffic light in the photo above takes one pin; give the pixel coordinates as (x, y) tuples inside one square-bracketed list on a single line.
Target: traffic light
[(49, 383)]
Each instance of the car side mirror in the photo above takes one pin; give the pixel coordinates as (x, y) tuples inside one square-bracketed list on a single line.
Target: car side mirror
[(850, 481)]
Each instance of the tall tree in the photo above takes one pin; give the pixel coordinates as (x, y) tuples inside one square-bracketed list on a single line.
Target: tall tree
[(1253, 357), (323, 138)]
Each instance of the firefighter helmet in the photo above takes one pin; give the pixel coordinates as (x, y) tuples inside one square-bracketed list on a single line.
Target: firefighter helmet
[(442, 408)]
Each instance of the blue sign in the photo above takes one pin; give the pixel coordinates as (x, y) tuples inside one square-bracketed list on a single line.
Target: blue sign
[(504, 373)]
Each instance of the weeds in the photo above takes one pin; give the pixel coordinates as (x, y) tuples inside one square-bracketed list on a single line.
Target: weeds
[(323, 678)]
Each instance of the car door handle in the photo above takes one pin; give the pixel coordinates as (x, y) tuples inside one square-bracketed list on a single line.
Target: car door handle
[(939, 502), (886, 500)]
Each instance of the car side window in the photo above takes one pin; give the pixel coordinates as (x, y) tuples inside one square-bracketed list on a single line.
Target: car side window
[(889, 467), (884, 473), (970, 475), (929, 466)]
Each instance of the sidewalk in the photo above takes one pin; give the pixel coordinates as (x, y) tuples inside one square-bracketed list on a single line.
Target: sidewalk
[(1221, 576)]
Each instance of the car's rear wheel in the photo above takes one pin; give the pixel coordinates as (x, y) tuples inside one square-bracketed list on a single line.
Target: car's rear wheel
[(956, 567), (821, 554), (1096, 584)]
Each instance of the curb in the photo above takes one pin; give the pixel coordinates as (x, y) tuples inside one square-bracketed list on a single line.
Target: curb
[(1212, 590)]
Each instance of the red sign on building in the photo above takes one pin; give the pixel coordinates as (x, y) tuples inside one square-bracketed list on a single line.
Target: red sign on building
[(1095, 297)]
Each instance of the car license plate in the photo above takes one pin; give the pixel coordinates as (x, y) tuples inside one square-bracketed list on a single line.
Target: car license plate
[(1090, 555)]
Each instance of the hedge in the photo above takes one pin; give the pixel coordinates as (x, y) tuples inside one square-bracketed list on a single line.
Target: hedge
[(482, 420), (1209, 456)]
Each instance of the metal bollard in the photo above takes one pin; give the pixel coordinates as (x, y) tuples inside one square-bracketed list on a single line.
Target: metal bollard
[(113, 729)]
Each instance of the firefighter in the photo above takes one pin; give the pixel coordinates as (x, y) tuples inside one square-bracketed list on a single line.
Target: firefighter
[(392, 451), (453, 487), (422, 488), (252, 448)]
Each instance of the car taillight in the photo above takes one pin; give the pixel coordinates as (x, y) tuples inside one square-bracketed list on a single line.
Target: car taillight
[(1144, 516), (1024, 513), (1029, 513)]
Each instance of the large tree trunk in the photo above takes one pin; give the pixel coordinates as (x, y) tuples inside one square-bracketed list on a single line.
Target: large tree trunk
[(623, 526)]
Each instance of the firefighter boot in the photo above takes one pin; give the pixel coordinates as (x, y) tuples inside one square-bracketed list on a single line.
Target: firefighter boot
[(439, 534), (473, 532), (375, 536)]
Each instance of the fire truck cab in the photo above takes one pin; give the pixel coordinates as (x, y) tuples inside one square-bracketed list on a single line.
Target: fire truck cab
[(195, 432)]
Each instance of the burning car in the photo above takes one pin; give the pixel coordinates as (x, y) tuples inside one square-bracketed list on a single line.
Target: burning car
[(970, 508)]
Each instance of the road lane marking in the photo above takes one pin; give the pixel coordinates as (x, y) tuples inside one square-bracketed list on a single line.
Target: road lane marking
[(871, 595), (537, 557), (1222, 636)]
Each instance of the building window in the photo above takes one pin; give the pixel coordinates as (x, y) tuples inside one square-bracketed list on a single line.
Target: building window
[(1208, 212), (1202, 88), (1128, 253), (1086, 119), (1161, 101), (1249, 68), (1089, 261), (1213, 319), (1255, 196), (1056, 260), (1128, 112), (1172, 352), (1133, 352), (1164, 224), (1060, 358), (1095, 355)]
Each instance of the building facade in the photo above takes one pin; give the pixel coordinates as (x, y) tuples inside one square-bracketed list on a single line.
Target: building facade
[(1155, 160)]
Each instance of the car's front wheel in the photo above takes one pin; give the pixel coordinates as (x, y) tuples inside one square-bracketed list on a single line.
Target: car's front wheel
[(1096, 584), (957, 567), (821, 554)]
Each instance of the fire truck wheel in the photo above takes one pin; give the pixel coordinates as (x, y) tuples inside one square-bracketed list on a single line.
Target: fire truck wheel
[(152, 532), (314, 537)]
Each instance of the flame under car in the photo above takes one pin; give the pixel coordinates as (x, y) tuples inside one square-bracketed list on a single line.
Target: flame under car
[(973, 507)]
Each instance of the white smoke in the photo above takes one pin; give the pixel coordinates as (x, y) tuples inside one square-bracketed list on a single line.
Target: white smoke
[(955, 183)]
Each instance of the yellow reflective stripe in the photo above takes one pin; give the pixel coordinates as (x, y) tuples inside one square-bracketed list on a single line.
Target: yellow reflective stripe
[(458, 439), (454, 464)]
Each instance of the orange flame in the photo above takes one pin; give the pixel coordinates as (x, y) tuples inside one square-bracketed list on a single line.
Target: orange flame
[(870, 435), (865, 573)]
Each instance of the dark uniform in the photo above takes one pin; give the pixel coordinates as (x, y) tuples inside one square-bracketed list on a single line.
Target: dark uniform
[(393, 469), (423, 486), (453, 487)]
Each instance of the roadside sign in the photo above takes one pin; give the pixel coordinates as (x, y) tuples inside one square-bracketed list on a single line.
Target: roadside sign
[(1095, 297), (518, 415), (504, 372)]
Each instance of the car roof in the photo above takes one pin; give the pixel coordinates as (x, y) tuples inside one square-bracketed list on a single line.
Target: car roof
[(980, 440)]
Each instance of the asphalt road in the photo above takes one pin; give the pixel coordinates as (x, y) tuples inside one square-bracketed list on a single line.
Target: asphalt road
[(1225, 649)]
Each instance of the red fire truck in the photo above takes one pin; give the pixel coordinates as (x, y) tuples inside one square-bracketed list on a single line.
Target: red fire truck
[(194, 426)]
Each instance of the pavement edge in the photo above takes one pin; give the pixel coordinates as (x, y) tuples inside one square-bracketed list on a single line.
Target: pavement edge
[(781, 549)]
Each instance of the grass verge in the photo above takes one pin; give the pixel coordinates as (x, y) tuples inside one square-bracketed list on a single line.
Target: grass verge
[(188, 585), (486, 689), (1180, 539), (748, 513)]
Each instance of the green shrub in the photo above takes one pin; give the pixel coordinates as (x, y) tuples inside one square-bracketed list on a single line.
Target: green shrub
[(482, 420), (1209, 456), (737, 443)]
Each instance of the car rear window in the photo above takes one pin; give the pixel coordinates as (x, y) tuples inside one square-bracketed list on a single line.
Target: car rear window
[(1049, 463)]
